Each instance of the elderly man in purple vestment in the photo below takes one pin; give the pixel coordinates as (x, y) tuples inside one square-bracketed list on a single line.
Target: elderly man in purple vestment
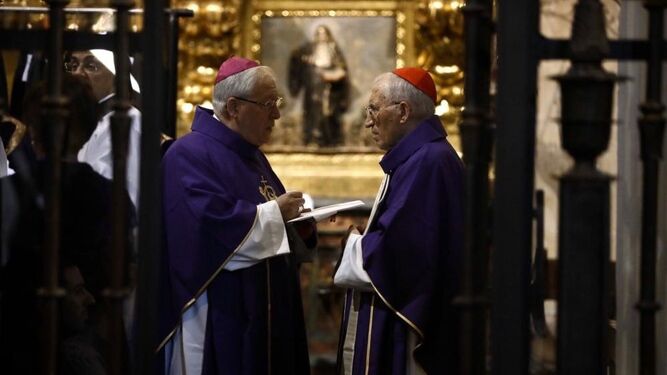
[(403, 271), (231, 301)]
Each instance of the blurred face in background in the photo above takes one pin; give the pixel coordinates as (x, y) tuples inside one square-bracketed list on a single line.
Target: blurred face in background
[(85, 64), (82, 108), (322, 34), (77, 300)]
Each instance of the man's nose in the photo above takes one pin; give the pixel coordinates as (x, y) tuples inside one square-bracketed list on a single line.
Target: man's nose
[(79, 71), (275, 112), (368, 122)]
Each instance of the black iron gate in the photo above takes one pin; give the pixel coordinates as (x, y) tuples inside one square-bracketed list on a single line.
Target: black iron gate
[(152, 44), (587, 94)]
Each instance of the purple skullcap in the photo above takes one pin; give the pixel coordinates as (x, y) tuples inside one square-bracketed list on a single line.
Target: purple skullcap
[(232, 66)]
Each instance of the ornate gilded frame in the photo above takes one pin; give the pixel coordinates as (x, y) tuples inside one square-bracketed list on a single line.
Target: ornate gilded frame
[(403, 11), (339, 173)]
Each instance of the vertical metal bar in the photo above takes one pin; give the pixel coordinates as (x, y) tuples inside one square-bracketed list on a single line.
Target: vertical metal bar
[(586, 96), (476, 141), (584, 272), (651, 129), (4, 99), (120, 126), (54, 117), (171, 74), (538, 282), (4, 109), (518, 30), (150, 194)]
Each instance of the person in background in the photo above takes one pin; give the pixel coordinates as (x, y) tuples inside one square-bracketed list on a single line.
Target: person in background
[(231, 299), (403, 271), (97, 66), (85, 227), (79, 347)]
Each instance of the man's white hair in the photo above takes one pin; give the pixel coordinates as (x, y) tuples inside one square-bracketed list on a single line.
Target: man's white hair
[(238, 85), (396, 89)]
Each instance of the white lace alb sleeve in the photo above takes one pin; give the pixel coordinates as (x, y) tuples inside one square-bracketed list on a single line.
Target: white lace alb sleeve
[(351, 273), (267, 238)]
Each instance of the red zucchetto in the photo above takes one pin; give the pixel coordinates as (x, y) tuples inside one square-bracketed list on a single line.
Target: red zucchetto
[(420, 79), (232, 66)]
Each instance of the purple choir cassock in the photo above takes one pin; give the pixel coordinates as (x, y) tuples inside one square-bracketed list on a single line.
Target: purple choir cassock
[(213, 183), (411, 254)]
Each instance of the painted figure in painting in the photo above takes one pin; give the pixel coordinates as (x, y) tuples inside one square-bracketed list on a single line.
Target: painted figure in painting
[(318, 67)]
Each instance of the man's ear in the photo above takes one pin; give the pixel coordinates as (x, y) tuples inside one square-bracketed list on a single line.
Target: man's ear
[(405, 111), (232, 107)]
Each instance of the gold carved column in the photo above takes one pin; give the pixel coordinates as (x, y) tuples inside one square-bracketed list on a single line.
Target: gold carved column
[(205, 41), (440, 50)]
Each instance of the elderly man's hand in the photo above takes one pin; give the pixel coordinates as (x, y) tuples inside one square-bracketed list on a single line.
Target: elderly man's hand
[(291, 204)]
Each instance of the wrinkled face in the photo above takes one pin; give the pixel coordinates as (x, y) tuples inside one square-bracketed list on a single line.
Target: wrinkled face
[(85, 64), (383, 119), (76, 301), (255, 120)]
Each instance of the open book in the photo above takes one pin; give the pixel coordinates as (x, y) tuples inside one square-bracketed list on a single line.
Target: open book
[(324, 212)]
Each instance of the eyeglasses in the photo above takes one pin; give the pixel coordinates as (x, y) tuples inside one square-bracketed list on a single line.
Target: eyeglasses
[(373, 111), (269, 104), (88, 66)]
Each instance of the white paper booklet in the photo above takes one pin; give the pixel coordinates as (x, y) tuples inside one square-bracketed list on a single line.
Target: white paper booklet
[(322, 213)]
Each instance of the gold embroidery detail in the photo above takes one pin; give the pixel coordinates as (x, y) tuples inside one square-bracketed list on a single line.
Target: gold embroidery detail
[(370, 332), (405, 319), (267, 190), (203, 288)]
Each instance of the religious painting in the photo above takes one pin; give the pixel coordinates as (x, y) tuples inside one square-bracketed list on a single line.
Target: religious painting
[(325, 61), (325, 55), (325, 67)]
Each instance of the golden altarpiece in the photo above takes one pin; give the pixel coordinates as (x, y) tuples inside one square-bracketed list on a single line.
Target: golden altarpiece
[(373, 37)]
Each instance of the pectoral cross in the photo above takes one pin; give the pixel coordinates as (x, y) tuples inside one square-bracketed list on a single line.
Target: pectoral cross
[(267, 190)]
